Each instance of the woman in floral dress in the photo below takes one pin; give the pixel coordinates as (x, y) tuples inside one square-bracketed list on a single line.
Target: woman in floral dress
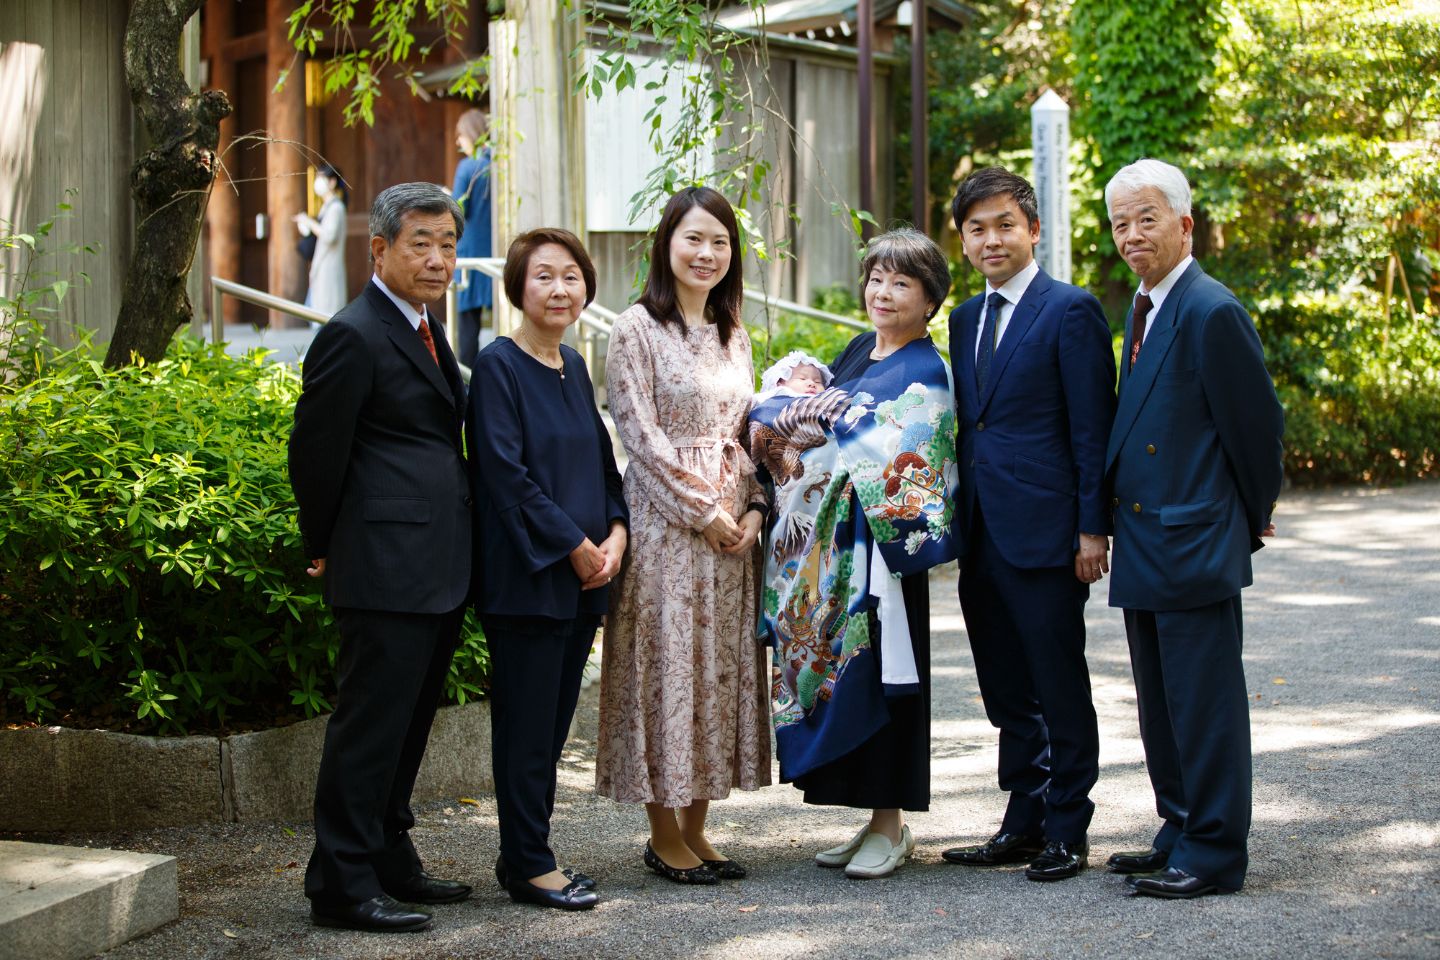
[(684, 713)]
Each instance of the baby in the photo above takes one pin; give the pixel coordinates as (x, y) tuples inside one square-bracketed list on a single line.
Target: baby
[(774, 444), (797, 374)]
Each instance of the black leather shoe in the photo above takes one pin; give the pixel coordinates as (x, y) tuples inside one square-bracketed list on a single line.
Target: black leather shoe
[(726, 869), (1059, 861), (574, 876), (571, 897), (1001, 848), (701, 875), (1172, 883), (1138, 861), (423, 888), (380, 915)]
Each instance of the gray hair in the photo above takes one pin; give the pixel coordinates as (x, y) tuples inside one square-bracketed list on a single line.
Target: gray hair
[(908, 251), (1166, 178), (390, 207)]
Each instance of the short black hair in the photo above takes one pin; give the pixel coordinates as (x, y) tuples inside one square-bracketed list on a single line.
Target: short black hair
[(994, 182), (908, 251), (523, 247)]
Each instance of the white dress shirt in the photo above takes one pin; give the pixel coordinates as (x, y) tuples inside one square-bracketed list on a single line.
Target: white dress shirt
[(405, 308), (1012, 290), (1162, 289)]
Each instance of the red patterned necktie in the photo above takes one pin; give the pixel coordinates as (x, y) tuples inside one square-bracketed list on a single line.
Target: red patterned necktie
[(1143, 305), (429, 339)]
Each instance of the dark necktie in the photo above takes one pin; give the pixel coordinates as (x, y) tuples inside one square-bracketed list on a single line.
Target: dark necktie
[(1143, 305), (987, 341), (429, 339)]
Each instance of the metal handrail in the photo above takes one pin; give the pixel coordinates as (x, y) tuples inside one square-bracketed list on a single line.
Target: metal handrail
[(790, 306), (220, 288)]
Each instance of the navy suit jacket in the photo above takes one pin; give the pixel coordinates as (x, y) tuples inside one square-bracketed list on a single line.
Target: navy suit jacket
[(1032, 447), (1195, 454), (377, 465)]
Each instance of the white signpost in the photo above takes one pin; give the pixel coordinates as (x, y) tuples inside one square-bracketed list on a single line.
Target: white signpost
[(1050, 137)]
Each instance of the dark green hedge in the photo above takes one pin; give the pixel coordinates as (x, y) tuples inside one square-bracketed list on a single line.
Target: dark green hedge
[(151, 570)]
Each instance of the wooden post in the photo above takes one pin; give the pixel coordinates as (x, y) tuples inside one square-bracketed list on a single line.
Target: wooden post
[(223, 214), (866, 43), (284, 158), (919, 118)]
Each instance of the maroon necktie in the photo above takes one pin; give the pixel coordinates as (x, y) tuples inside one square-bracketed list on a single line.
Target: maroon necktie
[(1137, 325), (429, 339)]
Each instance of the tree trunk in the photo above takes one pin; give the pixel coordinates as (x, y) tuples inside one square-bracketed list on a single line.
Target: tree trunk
[(171, 182)]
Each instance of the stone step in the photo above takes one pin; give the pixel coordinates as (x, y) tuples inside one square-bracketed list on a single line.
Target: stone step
[(69, 903)]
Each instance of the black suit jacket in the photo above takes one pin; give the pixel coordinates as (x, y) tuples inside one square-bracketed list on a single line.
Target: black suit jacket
[(377, 463)]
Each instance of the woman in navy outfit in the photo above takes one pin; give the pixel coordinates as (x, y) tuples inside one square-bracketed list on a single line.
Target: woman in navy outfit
[(550, 532)]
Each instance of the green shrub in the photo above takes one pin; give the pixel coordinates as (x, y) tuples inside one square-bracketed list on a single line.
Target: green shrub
[(1361, 394), (151, 568)]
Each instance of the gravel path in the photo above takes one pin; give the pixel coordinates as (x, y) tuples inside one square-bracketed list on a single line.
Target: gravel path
[(1343, 660)]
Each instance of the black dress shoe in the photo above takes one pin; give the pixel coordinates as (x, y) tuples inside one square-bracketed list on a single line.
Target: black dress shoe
[(701, 875), (1059, 861), (1001, 848), (380, 915), (570, 897), (1138, 861), (423, 888), (1172, 883), (726, 869), (574, 876)]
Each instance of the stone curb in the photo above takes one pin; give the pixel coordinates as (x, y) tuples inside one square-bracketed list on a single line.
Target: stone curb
[(62, 779)]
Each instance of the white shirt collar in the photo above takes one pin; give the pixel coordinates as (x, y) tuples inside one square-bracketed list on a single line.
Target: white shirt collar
[(1014, 288), (1163, 288), (405, 309)]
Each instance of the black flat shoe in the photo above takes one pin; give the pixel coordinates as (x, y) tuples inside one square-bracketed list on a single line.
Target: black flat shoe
[(1172, 883), (1059, 861), (379, 915), (423, 888), (571, 897), (726, 869), (701, 875), (1000, 849), (574, 876), (1138, 861)]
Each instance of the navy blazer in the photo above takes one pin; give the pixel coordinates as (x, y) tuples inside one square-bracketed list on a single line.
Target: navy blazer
[(377, 465), (1195, 453), (1032, 448)]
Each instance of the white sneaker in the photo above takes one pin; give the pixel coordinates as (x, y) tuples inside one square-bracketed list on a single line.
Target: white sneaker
[(877, 858), (839, 856)]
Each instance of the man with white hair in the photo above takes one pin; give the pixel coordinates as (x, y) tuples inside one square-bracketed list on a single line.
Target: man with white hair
[(1194, 461)]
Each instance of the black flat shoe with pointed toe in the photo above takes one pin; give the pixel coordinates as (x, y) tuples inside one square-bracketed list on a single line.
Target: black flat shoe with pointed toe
[(570, 897), (701, 875)]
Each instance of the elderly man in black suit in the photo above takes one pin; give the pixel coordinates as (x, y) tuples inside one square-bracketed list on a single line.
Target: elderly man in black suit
[(379, 473)]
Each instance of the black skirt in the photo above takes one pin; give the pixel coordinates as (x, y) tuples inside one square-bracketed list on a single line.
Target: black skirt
[(892, 768)]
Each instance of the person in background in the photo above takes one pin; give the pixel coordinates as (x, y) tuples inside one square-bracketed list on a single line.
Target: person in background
[(1194, 460), (472, 192), (327, 291), (683, 717)]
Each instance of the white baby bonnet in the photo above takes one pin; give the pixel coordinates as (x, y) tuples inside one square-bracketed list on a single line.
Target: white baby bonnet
[(786, 365)]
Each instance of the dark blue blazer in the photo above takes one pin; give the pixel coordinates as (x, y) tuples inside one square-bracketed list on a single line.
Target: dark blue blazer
[(1195, 454), (1032, 448)]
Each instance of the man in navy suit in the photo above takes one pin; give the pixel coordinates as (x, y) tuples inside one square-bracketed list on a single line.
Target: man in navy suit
[(379, 473), (1034, 373), (1194, 460)]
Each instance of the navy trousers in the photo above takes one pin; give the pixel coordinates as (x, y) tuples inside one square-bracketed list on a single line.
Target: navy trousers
[(1027, 634), (390, 673), (1195, 724), (535, 668)]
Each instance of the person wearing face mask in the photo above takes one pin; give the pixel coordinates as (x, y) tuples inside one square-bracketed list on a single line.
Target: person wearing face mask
[(550, 530), (683, 717), (327, 292)]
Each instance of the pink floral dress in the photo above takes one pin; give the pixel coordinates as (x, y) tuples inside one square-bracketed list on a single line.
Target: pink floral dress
[(684, 709)]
